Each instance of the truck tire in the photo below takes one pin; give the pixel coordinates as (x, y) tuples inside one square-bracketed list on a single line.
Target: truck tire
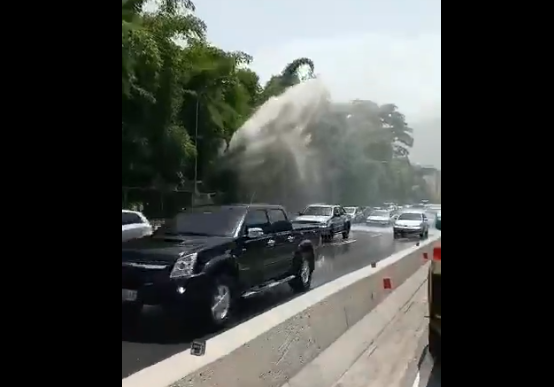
[(218, 309), (435, 346), (303, 272)]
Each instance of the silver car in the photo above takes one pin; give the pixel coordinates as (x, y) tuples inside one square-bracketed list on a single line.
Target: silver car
[(331, 219), (411, 223), (380, 218), (134, 225)]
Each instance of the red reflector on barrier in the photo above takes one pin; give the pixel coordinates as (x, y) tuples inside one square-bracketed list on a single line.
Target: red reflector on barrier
[(437, 254), (425, 256), (387, 283)]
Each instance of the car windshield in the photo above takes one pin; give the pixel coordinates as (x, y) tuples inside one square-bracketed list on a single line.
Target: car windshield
[(380, 213), (350, 210), (409, 216), (205, 221), (318, 211)]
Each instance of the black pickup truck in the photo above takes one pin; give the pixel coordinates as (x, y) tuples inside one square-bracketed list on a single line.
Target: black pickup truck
[(206, 258)]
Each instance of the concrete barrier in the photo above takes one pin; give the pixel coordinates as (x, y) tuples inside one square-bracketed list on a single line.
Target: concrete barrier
[(378, 348), (270, 349)]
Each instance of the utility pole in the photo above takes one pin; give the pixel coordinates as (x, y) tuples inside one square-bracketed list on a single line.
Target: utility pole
[(196, 155)]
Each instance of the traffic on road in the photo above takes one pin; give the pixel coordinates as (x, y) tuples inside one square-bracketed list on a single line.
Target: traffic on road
[(211, 268)]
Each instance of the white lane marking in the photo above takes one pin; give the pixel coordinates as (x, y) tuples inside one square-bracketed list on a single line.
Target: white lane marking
[(416, 380)]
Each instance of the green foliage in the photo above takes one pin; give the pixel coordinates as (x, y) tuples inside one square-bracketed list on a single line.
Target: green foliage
[(176, 87)]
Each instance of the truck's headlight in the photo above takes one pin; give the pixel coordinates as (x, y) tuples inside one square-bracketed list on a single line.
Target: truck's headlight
[(184, 266)]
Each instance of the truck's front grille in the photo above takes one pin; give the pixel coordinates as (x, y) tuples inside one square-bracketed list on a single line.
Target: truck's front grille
[(134, 277)]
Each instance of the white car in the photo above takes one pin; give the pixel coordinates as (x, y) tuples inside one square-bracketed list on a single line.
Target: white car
[(134, 225), (380, 218), (411, 223)]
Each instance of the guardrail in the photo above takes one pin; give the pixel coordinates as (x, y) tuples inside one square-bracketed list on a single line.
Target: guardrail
[(270, 349)]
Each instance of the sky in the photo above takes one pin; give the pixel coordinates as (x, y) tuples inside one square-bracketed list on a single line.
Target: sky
[(381, 50)]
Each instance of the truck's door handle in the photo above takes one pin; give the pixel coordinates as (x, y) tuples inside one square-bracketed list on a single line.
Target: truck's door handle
[(270, 242), (290, 238)]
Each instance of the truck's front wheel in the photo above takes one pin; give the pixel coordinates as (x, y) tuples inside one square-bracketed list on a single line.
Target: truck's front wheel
[(303, 274), (219, 308)]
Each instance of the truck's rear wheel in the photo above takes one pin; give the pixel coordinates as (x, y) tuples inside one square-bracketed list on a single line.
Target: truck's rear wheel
[(435, 345), (303, 274)]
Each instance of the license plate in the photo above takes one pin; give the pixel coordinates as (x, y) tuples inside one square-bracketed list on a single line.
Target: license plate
[(128, 295)]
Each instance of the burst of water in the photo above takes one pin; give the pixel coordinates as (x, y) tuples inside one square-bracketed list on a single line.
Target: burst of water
[(277, 159), (281, 122)]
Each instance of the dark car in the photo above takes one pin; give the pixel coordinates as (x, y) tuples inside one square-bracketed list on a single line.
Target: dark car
[(206, 258)]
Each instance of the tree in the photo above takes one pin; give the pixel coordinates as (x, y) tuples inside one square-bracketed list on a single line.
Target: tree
[(289, 77)]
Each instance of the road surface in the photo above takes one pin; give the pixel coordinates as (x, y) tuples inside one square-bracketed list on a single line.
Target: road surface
[(423, 372), (154, 339)]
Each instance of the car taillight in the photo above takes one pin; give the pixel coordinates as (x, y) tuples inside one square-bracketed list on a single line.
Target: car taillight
[(437, 254)]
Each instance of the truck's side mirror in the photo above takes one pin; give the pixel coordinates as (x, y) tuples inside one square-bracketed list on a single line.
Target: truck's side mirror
[(254, 232), (300, 213)]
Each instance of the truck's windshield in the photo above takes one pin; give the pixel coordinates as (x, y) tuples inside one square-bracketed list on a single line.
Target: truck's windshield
[(205, 221), (318, 211)]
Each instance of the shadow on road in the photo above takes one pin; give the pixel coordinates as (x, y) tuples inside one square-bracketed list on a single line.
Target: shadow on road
[(154, 327)]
